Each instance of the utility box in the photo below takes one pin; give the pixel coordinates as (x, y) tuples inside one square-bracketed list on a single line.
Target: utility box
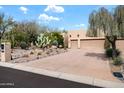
[(5, 52)]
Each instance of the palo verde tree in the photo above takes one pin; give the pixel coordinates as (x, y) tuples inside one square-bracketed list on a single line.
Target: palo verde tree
[(109, 26), (108, 22), (119, 18), (93, 26), (6, 24)]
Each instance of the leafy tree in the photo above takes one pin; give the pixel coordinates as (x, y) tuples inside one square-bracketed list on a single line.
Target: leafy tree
[(6, 24), (58, 37), (119, 18), (32, 31), (23, 32), (108, 22), (30, 28), (109, 27), (93, 26)]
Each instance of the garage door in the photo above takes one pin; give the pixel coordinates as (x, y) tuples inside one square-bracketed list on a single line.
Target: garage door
[(74, 44), (94, 44)]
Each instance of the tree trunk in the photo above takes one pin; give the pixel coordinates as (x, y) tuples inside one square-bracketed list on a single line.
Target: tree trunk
[(113, 45), (114, 54)]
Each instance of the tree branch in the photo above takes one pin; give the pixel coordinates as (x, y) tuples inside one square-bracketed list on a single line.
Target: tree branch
[(108, 38)]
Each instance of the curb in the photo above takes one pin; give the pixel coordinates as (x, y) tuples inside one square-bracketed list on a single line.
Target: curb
[(80, 79)]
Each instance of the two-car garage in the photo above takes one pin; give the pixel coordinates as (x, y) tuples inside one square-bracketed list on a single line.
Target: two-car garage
[(87, 43), (93, 44)]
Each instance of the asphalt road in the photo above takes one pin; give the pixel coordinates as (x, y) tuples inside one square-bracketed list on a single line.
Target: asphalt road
[(12, 78)]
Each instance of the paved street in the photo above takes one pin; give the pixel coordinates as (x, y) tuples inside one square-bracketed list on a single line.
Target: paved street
[(20, 79)]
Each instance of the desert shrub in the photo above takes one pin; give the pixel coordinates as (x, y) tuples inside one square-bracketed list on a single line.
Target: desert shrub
[(31, 52), (57, 39), (23, 45), (108, 52), (118, 52), (39, 53), (55, 43), (117, 61)]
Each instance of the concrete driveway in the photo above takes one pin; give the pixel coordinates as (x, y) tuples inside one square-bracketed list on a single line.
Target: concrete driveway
[(81, 62)]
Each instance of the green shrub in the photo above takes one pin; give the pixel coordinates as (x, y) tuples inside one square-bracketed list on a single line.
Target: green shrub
[(23, 45), (108, 52), (55, 43), (118, 52), (117, 61)]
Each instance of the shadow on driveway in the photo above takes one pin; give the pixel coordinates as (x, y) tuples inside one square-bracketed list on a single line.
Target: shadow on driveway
[(98, 55)]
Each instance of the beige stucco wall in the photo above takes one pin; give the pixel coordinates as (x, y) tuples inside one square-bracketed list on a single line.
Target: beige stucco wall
[(120, 44), (88, 42), (74, 34)]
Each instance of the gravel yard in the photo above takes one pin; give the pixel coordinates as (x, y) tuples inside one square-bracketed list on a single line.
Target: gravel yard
[(20, 55)]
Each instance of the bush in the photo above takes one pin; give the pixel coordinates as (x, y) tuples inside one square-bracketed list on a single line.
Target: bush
[(55, 43), (31, 52), (118, 52), (39, 53), (108, 52), (23, 45), (117, 61)]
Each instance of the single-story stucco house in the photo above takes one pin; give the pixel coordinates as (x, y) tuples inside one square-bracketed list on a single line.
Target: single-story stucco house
[(77, 39)]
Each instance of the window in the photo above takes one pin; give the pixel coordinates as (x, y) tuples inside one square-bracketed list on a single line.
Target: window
[(78, 35)]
